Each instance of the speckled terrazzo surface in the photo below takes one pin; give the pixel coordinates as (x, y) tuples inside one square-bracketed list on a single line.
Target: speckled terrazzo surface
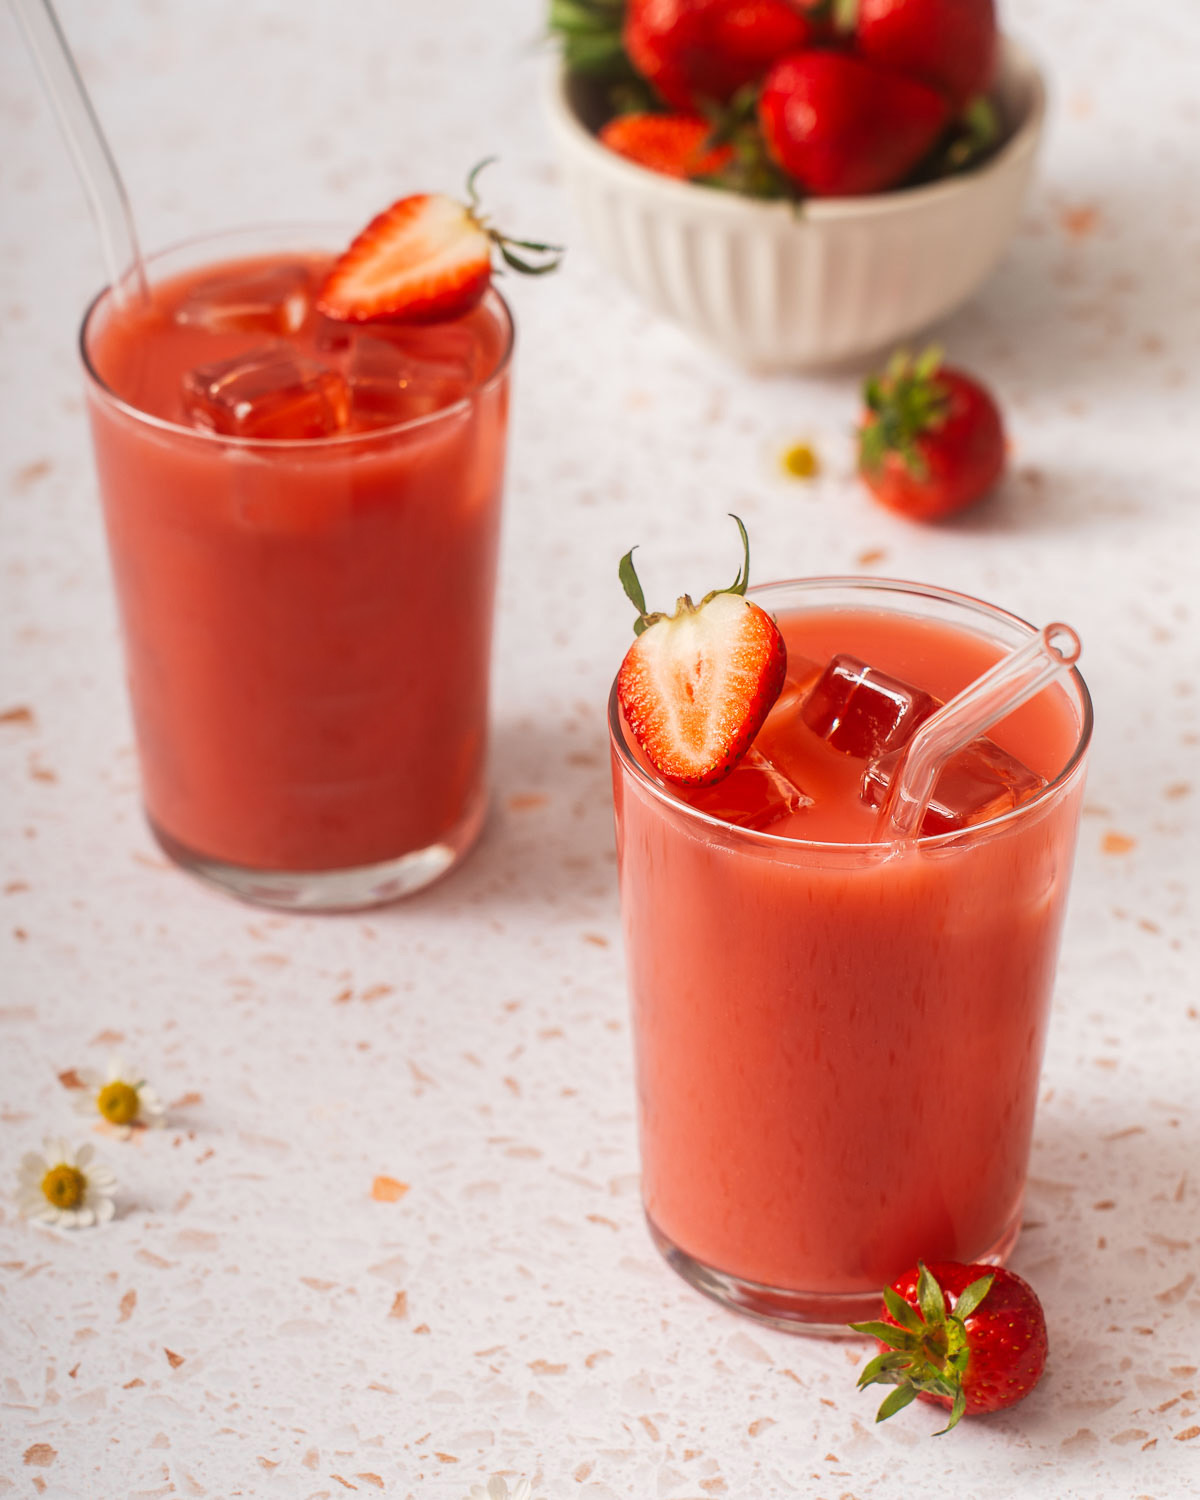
[(254, 1322)]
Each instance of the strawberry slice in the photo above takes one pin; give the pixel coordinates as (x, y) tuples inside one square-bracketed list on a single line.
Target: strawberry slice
[(426, 259), (696, 685), (673, 145)]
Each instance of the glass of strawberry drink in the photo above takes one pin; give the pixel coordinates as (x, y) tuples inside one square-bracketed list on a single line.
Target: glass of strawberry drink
[(300, 459), (838, 1032)]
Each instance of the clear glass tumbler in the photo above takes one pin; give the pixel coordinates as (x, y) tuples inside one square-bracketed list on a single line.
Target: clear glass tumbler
[(307, 622), (838, 1045)]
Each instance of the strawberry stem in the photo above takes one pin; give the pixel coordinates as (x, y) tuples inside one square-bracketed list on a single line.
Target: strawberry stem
[(472, 193), (630, 582), (845, 15), (742, 581), (504, 243)]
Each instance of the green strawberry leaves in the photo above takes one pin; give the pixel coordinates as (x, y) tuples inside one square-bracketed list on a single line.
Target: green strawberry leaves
[(905, 402), (630, 582), (975, 133), (633, 591), (750, 171), (590, 32), (505, 243), (929, 1351)]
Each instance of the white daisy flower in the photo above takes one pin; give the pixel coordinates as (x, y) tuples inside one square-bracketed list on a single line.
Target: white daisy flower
[(118, 1096), (65, 1187), (497, 1489)]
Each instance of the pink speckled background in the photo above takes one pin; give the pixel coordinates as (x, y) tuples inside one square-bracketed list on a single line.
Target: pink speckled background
[(254, 1322)]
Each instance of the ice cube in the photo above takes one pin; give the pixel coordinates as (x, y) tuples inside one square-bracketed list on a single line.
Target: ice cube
[(387, 384), (861, 711), (274, 300), (331, 336), (268, 393), (440, 351), (980, 782), (755, 794), (780, 741), (800, 675)]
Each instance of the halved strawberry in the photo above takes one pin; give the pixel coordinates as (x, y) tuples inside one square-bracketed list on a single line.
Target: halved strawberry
[(673, 145), (426, 259), (696, 685)]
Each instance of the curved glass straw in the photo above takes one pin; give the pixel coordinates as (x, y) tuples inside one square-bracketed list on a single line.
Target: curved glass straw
[(1015, 678), (93, 160)]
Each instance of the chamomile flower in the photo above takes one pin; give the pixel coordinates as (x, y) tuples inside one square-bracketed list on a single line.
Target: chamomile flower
[(497, 1489), (120, 1098), (64, 1186)]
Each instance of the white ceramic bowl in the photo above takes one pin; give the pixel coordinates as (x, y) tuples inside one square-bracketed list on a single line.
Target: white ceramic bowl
[(778, 288)]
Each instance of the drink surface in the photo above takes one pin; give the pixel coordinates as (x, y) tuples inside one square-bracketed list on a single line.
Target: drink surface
[(838, 1048), (815, 789), (251, 324), (307, 624)]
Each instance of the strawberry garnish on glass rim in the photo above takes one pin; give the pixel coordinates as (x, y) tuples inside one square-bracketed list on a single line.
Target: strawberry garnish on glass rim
[(697, 684), (426, 259), (969, 1338)]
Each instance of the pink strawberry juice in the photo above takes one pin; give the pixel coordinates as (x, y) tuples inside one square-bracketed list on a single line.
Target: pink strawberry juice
[(303, 523), (838, 1044)]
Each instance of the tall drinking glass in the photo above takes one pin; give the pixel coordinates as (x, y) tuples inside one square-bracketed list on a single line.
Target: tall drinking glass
[(307, 614), (837, 1041)]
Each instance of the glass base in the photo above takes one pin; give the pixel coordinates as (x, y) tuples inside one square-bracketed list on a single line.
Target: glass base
[(825, 1314), (331, 890)]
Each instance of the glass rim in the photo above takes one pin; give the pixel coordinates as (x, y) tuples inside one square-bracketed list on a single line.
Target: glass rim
[(334, 442), (767, 841)]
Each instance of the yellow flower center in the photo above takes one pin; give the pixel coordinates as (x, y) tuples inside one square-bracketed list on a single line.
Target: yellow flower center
[(118, 1102), (801, 462), (64, 1186)]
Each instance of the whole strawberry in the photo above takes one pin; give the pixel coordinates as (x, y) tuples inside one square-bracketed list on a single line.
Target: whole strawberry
[(698, 52), (931, 440), (969, 1338), (696, 685), (948, 44), (841, 127)]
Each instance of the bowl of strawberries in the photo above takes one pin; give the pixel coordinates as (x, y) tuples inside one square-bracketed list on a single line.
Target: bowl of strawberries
[(796, 182)]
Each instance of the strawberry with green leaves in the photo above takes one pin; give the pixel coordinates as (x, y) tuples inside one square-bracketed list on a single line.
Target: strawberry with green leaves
[(969, 1338), (696, 684), (700, 52), (426, 259), (951, 45), (931, 440)]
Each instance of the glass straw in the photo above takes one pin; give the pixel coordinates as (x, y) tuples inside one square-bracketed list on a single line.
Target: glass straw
[(1014, 679), (93, 160)]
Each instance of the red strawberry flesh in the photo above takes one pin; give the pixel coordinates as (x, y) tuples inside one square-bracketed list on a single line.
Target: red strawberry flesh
[(949, 44), (697, 52), (841, 127), (695, 687), (673, 145), (423, 260)]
